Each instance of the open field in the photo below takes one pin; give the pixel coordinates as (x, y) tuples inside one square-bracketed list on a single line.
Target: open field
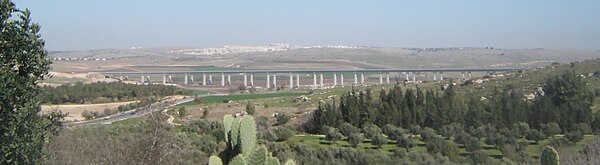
[(75, 110)]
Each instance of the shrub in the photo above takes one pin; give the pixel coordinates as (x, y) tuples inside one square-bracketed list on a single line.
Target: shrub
[(427, 133), (405, 142), (182, 112), (332, 134), (371, 130), (355, 138), (549, 156), (551, 129), (283, 118), (574, 136), (378, 140), (283, 133), (347, 129), (250, 109), (535, 135)]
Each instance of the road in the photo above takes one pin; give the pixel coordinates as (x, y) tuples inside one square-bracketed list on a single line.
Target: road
[(465, 70), (154, 107)]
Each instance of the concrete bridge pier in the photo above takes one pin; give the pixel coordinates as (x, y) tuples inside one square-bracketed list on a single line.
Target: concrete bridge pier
[(192, 78), (245, 80), (291, 81), (414, 77), (463, 75), (297, 80), (406, 74), (268, 80), (142, 79), (314, 80), (185, 79), (355, 79), (274, 80), (321, 80), (222, 79), (469, 75), (334, 79), (434, 76), (210, 80), (170, 79), (203, 79), (148, 79), (380, 78), (252, 80), (441, 76), (342, 80), (229, 79), (164, 79), (387, 78), (362, 78)]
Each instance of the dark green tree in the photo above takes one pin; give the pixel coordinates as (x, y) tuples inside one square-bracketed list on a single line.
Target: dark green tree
[(378, 140), (355, 138), (23, 64)]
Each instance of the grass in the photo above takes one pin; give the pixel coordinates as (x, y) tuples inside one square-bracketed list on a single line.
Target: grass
[(130, 121), (220, 99), (317, 141), (195, 92)]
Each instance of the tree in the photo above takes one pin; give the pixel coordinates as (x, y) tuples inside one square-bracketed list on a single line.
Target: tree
[(405, 142), (574, 136), (355, 138), (535, 135), (347, 129), (371, 130), (551, 129), (521, 129), (549, 156), (283, 133), (427, 133), (333, 135), (250, 109), (472, 144), (378, 140), (23, 64)]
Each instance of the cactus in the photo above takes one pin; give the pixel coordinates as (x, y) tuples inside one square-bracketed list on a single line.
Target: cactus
[(238, 160), (290, 162), (227, 122), (240, 134), (247, 134), (272, 161), (235, 132), (215, 160), (259, 156), (549, 156)]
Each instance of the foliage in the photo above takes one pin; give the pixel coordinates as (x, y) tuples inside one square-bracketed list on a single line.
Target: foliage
[(549, 156), (250, 109), (535, 135), (355, 138), (23, 64), (379, 140), (551, 129), (405, 142), (182, 111), (283, 118), (333, 135), (346, 129), (103, 92)]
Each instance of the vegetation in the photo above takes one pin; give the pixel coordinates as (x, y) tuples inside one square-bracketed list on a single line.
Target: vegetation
[(102, 92), (549, 156), (23, 64)]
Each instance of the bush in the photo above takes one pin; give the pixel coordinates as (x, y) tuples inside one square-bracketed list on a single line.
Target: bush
[(574, 136), (439, 145), (472, 144), (284, 133), (332, 134), (283, 118), (87, 115), (347, 129), (405, 142), (183, 112), (584, 128), (535, 135), (427, 133), (551, 129), (250, 109), (371, 130), (378, 140), (355, 138)]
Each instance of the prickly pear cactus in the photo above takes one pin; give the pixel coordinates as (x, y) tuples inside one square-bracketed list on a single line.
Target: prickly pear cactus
[(215, 160), (227, 122), (238, 160), (235, 132), (290, 162), (259, 156), (247, 134), (272, 161)]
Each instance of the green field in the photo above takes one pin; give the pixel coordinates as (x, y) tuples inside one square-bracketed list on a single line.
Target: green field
[(195, 92), (220, 99)]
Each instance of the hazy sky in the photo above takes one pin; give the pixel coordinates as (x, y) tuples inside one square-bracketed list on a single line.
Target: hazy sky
[(97, 24)]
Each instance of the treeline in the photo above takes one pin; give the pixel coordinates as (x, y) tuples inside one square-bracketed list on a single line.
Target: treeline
[(564, 99), (102, 92)]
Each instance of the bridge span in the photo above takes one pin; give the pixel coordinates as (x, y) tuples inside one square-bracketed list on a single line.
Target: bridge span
[(294, 75)]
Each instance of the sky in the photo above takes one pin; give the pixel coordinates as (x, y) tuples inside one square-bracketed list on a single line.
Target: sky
[(105, 24)]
